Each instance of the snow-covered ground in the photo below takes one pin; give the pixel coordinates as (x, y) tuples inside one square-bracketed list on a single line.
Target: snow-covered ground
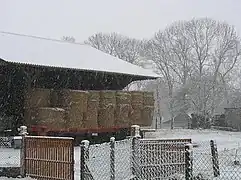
[(228, 144)]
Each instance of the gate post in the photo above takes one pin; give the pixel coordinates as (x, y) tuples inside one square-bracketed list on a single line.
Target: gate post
[(214, 152), (23, 132), (84, 156), (135, 133), (188, 162), (112, 158)]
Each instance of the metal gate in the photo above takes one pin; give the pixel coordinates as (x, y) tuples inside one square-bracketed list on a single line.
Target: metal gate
[(160, 158), (48, 158)]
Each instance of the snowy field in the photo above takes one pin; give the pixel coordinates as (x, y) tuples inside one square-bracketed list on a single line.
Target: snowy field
[(228, 146)]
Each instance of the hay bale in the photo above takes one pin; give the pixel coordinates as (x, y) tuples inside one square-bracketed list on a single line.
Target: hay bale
[(106, 114), (37, 97), (54, 98), (107, 97), (137, 106), (137, 98), (91, 120), (123, 108), (148, 99), (52, 117), (122, 117), (74, 118), (73, 99), (136, 115), (147, 115), (123, 97)]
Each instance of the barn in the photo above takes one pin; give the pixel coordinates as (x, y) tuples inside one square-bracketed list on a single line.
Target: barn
[(44, 63)]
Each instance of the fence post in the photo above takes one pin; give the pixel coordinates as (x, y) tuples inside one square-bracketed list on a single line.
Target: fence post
[(112, 158), (188, 161), (214, 152), (23, 131), (135, 133), (84, 156)]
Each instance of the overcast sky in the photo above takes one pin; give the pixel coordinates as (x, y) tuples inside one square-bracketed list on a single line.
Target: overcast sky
[(82, 18)]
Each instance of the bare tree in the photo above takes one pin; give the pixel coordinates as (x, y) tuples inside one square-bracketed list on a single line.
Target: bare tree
[(197, 57), (68, 39), (117, 45)]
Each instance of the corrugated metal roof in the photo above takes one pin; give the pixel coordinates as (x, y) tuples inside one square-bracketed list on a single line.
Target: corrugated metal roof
[(28, 50)]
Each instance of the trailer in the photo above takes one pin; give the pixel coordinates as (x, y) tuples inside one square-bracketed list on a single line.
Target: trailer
[(29, 62)]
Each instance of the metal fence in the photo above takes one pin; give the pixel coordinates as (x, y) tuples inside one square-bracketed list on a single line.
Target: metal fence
[(133, 158), (6, 142), (137, 158), (149, 159), (211, 162)]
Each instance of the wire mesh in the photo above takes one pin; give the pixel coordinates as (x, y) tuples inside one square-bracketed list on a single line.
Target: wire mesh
[(159, 159), (5, 142), (230, 163), (123, 160), (202, 160), (211, 162), (109, 161)]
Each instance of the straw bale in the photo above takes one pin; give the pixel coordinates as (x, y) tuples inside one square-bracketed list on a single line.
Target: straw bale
[(37, 97), (147, 115), (122, 115), (136, 114), (91, 120), (74, 99), (52, 117), (137, 98), (106, 116), (94, 95), (54, 98), (107, 98), (123, 97), (148, 99), (75, 118)]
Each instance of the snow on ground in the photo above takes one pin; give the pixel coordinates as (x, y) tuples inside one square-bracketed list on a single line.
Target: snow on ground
[(99, 161), (228, 144)]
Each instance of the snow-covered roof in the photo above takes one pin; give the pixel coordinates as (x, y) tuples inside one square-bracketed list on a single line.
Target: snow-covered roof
[(36, 51)]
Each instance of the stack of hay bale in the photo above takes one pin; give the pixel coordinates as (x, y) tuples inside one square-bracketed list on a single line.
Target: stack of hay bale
[(148, 108), (106, 115), (88, 109), (137, 107), (123, 109), (38, 109), (92, 109), (52, 117), (75, 104)]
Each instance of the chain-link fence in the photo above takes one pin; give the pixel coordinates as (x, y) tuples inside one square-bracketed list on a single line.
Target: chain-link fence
[(133, 159), (106, 161), (149, 159), (211, 162)]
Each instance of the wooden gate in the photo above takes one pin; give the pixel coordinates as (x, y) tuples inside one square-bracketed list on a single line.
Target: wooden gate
[(48, 158)]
